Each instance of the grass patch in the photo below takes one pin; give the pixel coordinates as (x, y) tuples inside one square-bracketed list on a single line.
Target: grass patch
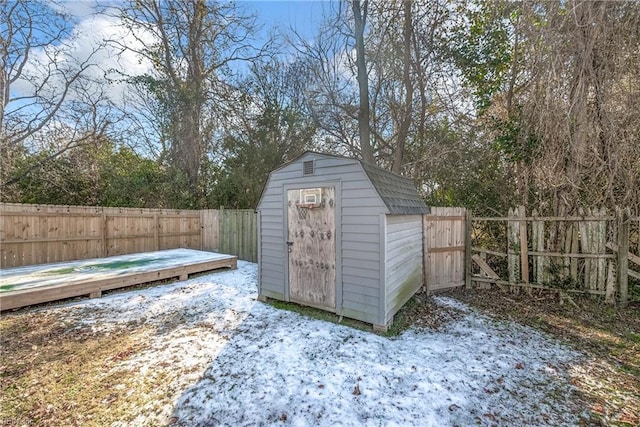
[(316, 313), (56, 373), (420, 312)]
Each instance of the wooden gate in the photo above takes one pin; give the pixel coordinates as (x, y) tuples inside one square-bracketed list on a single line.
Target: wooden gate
[(312, 250), (444, 248)]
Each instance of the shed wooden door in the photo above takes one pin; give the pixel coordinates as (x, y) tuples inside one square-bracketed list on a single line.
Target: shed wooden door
[(312, 249)]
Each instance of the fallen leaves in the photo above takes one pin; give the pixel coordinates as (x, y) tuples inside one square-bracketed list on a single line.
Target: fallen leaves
[(356, 390), (490, 416), (423, 313), (608, 378), (124, 354)]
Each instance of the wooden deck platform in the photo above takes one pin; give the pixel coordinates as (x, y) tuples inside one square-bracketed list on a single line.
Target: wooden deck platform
[(23, 286)]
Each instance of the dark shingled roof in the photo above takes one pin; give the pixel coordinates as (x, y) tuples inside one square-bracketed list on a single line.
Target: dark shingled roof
[(397, 192)]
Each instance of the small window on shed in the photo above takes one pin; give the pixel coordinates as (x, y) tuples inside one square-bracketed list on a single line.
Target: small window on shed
[(307, 168)]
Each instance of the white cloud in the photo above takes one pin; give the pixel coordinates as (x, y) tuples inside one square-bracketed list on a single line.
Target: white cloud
[(75, 8), (87, 44), (94, 33)]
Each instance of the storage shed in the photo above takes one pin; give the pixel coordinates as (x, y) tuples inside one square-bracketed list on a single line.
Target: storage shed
[(340, 235)]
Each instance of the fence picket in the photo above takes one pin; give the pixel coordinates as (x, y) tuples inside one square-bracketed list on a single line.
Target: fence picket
[(585, 247), (540, 262), (593, 249), (575, 248), (524, 245), (623, 255), (513, 247), (610, 295), (601, 246)]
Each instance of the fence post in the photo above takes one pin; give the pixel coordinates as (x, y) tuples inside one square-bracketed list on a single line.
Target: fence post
[(105, 243), (623, 255), (425, 263), (524, 245), (513, 244), (467, 248), (156, 231), (221, 244)]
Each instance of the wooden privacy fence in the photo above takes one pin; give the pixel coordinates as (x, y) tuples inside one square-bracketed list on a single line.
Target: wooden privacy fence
[(238, 233), (589, 253), (37, 234)]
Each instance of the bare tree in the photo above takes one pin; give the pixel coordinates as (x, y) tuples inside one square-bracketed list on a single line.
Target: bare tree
[(327, 95), (272, 126), (376, 76), (41, 86), (559, 99), (46, 79), (191, 45)]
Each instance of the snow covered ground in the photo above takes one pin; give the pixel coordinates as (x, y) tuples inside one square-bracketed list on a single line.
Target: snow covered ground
[(230, 360)]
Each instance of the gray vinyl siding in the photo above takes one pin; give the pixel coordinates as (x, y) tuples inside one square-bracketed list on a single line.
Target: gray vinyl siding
[(358, 213), (361, 244), (270, 244), (403, 260)]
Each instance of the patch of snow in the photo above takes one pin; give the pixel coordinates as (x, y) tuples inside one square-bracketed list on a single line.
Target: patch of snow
[(231, 360), (452, 303), (19, 278)]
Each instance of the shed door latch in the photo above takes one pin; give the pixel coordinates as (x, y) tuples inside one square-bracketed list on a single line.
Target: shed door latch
[(290, 244)]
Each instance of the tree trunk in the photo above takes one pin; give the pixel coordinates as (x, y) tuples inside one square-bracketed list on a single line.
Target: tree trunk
[(405, 123), (360, 17)]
